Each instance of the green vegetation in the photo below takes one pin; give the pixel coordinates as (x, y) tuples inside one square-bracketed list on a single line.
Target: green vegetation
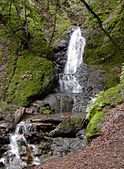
[(109, 56), (122, 75), (5, 107), (27, 74), (45, 109), (30, 31), (94, 126), (106, 99), (99, 49), (33, 77), (70, 123)]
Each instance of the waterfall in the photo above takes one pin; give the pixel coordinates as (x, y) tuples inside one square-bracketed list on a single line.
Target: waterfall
[(12, 158), (68, 80)]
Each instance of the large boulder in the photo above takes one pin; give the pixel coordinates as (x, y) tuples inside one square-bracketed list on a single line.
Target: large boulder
[(68, 128), (33, 78)]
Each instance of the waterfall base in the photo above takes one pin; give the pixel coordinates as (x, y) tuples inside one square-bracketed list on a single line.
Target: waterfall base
[(31, 143)]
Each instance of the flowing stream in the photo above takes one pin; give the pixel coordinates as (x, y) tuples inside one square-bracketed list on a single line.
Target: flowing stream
[(12, 159), (68, 80)]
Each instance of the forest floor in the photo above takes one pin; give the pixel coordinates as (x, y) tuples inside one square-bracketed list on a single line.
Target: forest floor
[(104, 152)]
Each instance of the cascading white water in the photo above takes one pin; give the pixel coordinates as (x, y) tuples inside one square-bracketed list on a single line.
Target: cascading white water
[(68, 81), (12, 158)]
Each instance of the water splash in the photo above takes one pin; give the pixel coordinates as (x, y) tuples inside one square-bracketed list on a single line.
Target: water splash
[(12, 158), (68, 81)]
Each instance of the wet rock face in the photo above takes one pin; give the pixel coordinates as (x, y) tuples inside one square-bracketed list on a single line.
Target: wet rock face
[(60, 55), (60, 102), (91, 79), (63, 146)]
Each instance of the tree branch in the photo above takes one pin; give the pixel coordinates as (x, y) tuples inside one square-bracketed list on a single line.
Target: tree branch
[(99, 21)]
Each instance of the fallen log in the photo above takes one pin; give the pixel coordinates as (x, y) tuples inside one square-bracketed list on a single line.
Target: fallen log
[(33, 135), (54, 120)]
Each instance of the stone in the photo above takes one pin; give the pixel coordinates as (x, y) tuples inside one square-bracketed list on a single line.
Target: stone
[(63, 146), (4, 124), (69, 127), (18, 114), (9, 117), (81, 134)]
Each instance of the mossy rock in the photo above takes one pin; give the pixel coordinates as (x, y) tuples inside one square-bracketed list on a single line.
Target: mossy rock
[(108, 98), (68, 128), (96, 111), (4, 107), (94, 126), (33, 78), (45, 110), (122, 75)]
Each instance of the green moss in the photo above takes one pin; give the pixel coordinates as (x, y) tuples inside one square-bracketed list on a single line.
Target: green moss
[(45, 110), (105, 99), (108, 98), (33, 77), (99, 49), (62, 27), (122, 75), (70, 123), (94, 126), (38, 44), (69, 127), (5, 107)]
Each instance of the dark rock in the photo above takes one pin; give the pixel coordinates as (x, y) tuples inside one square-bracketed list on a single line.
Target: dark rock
[(33, 166), (60, 102), (1, 165), (4, 145), (68, 128), (4, 124), (18, 114), (81, 134), (63, 146), (9, 117), (1, 116), (17, 117), (54, 120), (91, 79), (62, 45)]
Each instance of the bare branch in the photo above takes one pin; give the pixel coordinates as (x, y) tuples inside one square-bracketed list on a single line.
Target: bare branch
[(99, 21)]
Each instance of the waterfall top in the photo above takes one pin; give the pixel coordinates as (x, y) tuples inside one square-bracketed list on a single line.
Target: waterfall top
[(75, 52)]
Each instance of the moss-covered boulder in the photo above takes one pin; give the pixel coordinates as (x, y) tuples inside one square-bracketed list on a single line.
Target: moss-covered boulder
[(94, 126), (68, 128), (33, 78), (45, 109), (108, 98), (96, 111)]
